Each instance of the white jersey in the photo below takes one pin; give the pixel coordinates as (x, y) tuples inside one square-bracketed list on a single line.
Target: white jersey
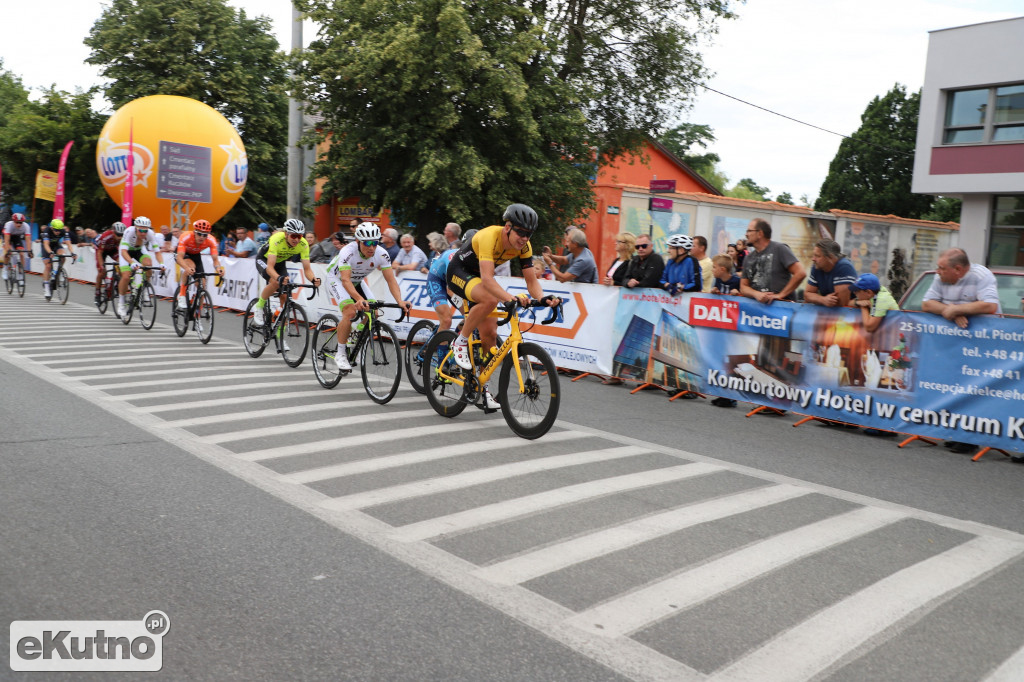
[(349, 258), (130, 240), (12, 229)]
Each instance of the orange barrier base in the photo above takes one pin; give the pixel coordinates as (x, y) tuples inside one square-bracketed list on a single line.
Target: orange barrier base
[(984, 450), (929, 441), (682, 393), (763, 408), (643, 386)]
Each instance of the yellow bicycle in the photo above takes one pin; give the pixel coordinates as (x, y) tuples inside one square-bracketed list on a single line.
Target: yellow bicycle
[(528, 388)]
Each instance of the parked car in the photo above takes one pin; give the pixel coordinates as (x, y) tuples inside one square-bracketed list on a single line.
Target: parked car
[(1010, 284)]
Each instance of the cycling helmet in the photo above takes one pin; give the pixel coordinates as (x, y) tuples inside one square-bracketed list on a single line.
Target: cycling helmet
[(681, 241), (118, 227), (143, 222), (367, 232), (522, 216), (57, 224), (201, 226), (293, 226), (468, 237), (18, 217)]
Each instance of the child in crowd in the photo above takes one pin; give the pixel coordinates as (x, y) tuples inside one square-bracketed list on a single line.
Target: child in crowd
[(726, 279)]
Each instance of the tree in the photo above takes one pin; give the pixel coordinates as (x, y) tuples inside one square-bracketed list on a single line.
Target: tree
[(872, 170), (748, 189), (944, 210), (206, 50), (681, 141), (785, 198), (899, 275), (449, 110)]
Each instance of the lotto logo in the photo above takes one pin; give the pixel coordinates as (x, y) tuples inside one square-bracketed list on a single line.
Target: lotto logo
[(89, 645), (713, 312)]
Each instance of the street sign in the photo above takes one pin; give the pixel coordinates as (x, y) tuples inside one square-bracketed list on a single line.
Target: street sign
[(662, 205), (663, 186)]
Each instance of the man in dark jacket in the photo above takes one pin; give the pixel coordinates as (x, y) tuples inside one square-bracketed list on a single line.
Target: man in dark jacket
[(646, 267)]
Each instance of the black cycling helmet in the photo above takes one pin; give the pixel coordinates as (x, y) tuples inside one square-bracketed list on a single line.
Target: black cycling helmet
[(522, 216)]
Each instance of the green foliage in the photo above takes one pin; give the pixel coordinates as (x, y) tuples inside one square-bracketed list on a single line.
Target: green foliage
[(449, 110), (944, 210), (681, 141), (785, 198), (872, 170), (33, 134), (898, 274), (213, 53)]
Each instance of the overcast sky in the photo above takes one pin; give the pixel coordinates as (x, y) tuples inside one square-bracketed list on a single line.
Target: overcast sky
[(819, 61)]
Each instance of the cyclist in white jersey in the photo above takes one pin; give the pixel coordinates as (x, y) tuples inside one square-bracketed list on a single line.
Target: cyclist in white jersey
[(18, 235), (137, 244), (345, 274)]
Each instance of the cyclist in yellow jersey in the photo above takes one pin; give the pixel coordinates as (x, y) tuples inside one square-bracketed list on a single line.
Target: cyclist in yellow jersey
[(470, 276), (289, 245)]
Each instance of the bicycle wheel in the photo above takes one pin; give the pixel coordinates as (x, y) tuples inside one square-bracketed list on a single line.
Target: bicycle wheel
[(179, 316), (129, 310), (529, 413), (294, 339), (414, 345), (146, 302), (63, 288), (20, 282), (381, 363), (444, 396), (9, 282), (325, 349), (254, 338), (203, 315)]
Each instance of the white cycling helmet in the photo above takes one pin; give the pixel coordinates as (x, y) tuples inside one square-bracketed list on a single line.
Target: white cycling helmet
[(118, 227), (681, 241), (367, 232), (143, 222), (293, 226)]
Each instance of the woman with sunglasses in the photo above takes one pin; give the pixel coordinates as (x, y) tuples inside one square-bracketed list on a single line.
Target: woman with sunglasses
[(470, 278), (345, 274), (272, 262)]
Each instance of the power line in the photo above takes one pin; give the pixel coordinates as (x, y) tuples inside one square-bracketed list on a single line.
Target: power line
[(810, 125)]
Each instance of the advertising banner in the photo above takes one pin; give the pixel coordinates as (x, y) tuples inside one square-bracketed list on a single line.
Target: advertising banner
[(46, 185)]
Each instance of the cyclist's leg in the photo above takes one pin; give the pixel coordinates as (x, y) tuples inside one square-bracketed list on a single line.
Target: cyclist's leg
[(148, 262), (47, 265), (101, 270), (125, 267)]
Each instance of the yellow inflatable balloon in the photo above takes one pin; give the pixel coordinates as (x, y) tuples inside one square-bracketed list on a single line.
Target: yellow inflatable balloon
[(189, 162)]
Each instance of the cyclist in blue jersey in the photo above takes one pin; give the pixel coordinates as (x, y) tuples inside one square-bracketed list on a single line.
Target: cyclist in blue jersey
[(437, 287)]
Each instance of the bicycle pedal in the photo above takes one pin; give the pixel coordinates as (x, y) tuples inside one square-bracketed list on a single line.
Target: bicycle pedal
[(487, 410)]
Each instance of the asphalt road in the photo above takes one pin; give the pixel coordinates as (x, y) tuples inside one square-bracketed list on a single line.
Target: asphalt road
[(292, 532)]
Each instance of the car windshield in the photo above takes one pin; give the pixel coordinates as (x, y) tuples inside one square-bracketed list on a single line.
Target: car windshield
[(1010, 286)]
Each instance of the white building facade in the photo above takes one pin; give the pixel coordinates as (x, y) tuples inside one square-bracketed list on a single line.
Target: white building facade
[(970, 135)]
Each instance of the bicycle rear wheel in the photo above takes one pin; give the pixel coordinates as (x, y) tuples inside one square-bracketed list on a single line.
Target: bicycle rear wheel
[(294, 338), (63, 288), (146, 302), (203, 315), (254, 338), (443, 395), (381, 363), (529, 413), (325, 351), (414, 345), (179, 316)]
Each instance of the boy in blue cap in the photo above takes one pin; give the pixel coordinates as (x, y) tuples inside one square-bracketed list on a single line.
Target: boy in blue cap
[(873, 299)]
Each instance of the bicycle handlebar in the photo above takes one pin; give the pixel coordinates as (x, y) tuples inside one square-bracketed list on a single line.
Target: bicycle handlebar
[(510, 309), (375, 305), (198, 275), (288, 286)]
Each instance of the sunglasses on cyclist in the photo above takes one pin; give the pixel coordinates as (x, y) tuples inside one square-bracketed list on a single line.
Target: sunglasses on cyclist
[(522, 232), (370, 242)]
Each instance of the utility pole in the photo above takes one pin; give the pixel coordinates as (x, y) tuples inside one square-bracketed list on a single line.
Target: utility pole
[(295, 129)]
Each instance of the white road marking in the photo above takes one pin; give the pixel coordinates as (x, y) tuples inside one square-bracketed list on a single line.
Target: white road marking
[(320, 424), (219, 389), (1012, 669), (206, 376)]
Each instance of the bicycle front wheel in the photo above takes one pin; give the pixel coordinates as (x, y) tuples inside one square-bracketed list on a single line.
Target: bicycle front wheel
[(325, 351), (294, 337), (63, 288), (203, 316), (443, 395), (414, 346), (146, 302), (133, 298), (381, 363), (179, 316), (529, 412), (9, 282), (254, 337), (20, 275)]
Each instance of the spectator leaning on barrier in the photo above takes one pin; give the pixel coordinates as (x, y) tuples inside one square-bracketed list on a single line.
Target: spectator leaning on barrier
[(645, 268), (961, 289), (874, 301), (580, 266), (410, 257), (832, 273), (682, 271), (625, 243), (243, 246), (700, 252), (326, 249), (726, 279), (771, 271)]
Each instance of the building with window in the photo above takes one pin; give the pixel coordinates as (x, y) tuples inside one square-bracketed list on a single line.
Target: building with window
[(970, 136)]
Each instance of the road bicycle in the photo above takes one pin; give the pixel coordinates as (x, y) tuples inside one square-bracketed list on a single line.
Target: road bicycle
[(528, 388), (141, 296), (108, 288), (15, 270), (415, 342), (289, 328), (372, 343), (198, 308), (59, 286)]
